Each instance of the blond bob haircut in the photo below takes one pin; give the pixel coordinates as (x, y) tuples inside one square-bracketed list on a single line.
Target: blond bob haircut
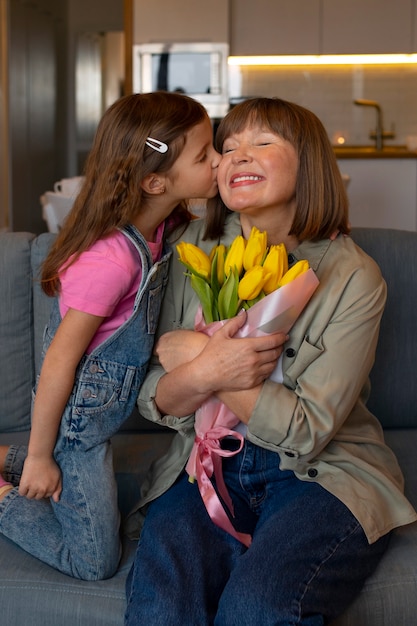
[(321, 199)]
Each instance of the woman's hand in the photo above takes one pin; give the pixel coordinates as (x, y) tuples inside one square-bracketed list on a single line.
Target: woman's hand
[(178, 347), (232, 364)]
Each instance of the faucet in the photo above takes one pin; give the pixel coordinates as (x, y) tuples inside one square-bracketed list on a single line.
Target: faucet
[(379, 134)]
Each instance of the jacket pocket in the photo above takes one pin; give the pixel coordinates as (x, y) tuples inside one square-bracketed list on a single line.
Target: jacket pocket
[(305, 356)]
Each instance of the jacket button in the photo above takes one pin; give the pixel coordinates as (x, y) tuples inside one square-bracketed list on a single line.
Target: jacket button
[(312, 472), (290, 352)]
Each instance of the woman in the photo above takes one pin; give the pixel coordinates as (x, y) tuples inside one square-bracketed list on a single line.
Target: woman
[(314, 485)]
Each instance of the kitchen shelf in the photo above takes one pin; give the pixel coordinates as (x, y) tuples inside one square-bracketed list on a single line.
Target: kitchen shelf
[(370, 152)]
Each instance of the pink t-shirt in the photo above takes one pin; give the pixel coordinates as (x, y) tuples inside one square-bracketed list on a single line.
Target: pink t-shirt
[(104, 281)]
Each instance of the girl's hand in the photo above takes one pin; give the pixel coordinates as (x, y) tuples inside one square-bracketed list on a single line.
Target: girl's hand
[(41, 478)]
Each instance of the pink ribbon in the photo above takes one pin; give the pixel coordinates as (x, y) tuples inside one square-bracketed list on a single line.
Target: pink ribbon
[(206, 459)]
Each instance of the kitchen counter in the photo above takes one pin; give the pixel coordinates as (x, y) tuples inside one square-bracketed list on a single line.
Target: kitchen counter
[(382, 190), (370, 152)]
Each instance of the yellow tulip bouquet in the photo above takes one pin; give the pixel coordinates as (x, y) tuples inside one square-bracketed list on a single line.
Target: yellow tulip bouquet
[(238, 277), (246, 275)]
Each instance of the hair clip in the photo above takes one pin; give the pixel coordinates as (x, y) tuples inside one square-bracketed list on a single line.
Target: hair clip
[(157, 145)]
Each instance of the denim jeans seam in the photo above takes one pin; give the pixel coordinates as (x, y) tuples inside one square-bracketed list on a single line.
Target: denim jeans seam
[(351, 530), (6, 501), (9, 463)]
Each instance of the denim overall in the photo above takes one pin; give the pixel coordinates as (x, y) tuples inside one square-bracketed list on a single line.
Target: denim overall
[(79, 535)]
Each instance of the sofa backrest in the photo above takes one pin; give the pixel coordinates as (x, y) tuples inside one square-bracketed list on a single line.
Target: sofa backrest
[(394, 376), (16, 331), (24, 311), (21, 303)]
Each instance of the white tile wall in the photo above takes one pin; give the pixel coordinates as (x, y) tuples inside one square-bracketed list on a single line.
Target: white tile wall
[(329, 91)]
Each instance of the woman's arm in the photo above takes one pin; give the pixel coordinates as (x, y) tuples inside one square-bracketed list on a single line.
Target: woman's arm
[(333, 348), (41, 477), (198, 367)]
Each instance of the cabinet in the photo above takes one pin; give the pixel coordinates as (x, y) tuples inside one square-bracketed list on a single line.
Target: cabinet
[(180, 21), (279, 27), (367, 26), (382, 192), (322, 27)]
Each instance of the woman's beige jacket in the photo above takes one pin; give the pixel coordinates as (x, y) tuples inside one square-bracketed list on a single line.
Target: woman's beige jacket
[(317, 420)]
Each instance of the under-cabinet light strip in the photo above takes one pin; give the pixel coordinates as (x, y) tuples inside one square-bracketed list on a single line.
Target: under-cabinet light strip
[(324, 59)]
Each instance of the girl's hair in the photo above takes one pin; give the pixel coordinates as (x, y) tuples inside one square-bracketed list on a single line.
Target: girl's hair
[(321, 199), (120, 159)]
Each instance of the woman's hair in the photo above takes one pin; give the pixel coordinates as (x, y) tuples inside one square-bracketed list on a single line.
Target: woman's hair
[(119, 160), (321, 199)]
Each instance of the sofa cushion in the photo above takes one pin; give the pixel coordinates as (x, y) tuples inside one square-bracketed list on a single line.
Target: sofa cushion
[(389, 595), (16, 332), (34, 593)]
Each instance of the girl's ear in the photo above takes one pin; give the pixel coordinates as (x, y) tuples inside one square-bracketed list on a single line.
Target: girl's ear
[(153, 184)]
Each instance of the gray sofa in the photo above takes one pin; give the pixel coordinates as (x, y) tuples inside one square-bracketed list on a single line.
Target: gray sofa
[(33, 593)]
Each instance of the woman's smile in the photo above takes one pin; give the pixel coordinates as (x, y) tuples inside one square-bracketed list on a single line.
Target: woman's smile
[(244, 179)]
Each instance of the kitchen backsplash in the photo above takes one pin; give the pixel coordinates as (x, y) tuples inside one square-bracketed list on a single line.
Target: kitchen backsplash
[(329, 91)]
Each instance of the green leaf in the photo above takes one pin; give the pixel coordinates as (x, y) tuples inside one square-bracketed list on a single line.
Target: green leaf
[(214, 279), (205, 295), (228, 300)]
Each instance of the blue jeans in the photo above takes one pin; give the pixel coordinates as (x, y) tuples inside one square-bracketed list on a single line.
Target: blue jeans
[(308, 559), (79, 534)]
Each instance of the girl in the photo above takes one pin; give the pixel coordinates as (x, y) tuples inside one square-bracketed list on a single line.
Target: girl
[(314, 485), (108, 267)]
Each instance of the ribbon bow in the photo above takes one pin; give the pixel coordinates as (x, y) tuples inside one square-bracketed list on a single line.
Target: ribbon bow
[(205, 459)]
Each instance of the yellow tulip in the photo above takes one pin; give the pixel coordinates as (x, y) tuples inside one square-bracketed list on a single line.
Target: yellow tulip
[(299, 268), (217, 257), (194, 258), (212, 253), (251, 285), (276, 263), (234, 257), (255, 248)]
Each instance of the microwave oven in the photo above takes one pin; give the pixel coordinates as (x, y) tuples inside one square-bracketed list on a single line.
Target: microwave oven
[(197, 69)]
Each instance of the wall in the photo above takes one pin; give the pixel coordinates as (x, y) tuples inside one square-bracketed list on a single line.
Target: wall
[(329, 92), (4, 113), (38, 42), (33, 36)]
